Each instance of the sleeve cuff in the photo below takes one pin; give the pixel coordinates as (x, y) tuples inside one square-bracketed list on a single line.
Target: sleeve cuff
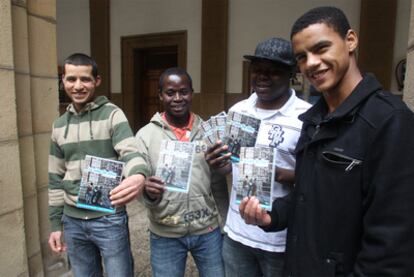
[(149, 201), (140, 169), (56, 225)]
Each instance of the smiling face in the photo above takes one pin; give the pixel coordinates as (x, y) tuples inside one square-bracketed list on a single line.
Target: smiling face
[(270, 81), (176, 95), (80, 84), (324, 57)]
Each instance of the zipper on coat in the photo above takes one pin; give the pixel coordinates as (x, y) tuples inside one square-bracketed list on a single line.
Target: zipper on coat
[(317, 129), (352, 164)]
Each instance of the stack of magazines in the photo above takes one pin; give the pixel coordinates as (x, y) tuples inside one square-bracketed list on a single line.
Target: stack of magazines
[(235, 129)]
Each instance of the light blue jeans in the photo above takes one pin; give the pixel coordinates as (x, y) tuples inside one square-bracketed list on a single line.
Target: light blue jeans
[(244, 261), (169, 255), (90, 241)]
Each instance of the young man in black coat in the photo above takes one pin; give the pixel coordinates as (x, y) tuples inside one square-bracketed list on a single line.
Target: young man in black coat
[(351, 212)]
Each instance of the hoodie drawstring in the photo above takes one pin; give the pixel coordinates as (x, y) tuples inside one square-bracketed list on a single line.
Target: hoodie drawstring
[(67, 125), (90, 122)]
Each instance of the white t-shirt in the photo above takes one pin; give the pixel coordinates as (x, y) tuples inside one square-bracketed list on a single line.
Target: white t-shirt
[(281, 130)]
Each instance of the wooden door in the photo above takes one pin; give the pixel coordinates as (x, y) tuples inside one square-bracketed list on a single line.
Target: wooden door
[(149, 65), (143, 58), (149, 103)]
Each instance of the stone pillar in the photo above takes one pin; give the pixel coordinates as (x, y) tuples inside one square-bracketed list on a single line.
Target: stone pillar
[(28, 106), (13, 257), (409, 81), (41, 21), (26, 139)]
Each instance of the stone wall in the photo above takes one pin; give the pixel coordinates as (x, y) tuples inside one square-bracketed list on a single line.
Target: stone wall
[(13, 261), (28, 68)]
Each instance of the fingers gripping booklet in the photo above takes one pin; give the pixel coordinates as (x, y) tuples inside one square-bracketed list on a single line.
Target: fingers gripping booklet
[(256, 174), (99, 177), (175, 163)]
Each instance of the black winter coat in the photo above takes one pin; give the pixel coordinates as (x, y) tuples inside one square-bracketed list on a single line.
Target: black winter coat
[(352, 210)]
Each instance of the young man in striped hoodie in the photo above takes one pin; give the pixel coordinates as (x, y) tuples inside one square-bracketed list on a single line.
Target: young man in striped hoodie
[(91, 126)]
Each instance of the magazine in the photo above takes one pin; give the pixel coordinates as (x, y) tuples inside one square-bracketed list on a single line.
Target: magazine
[(175, 164), (219, 125), (99, 177), (241, 131), (213, 129), (208, 133), (256, 174)]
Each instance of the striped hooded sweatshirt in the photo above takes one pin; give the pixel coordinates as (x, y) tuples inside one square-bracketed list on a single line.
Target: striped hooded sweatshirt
[(100, 129)]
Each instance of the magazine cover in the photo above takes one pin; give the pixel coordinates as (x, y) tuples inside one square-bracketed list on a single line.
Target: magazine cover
[(208, 133), (256, 174), (241, 131), (99, 177), (219, 126), (213, 129), (175, 163)]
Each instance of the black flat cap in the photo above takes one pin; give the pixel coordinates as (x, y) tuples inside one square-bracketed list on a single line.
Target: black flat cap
[(274, 49)]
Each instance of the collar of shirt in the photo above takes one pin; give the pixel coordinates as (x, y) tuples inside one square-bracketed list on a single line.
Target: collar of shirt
[(181, 133), (287, 109)]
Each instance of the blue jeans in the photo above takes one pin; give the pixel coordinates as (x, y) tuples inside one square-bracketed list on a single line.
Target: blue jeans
[(169, 255), (88, 241), (241, 260)]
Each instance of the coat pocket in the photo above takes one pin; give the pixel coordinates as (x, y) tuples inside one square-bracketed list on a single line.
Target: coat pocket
[(347, 162)]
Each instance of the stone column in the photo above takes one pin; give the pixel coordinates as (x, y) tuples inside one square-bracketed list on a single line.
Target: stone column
[(41, 21), (28, 106), (26, 138), (409, 81), (13, 257)]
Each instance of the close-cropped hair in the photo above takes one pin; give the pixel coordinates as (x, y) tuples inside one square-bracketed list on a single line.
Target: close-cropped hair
[(331, 16), (81, 59), (174, 71)]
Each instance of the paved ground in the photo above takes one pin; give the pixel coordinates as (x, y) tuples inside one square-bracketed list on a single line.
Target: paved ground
[(138, 227)]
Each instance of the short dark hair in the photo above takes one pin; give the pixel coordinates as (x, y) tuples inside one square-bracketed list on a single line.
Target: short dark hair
[(174, 71), (331, 16), (81, 59)]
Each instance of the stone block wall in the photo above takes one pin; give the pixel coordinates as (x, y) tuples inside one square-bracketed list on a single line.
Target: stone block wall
[(28, 106), (13, 258)]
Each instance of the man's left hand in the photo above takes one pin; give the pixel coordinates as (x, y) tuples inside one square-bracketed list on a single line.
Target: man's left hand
[(129, 189)]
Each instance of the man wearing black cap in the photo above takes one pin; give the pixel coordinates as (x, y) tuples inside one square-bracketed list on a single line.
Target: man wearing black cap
[(247, 249)]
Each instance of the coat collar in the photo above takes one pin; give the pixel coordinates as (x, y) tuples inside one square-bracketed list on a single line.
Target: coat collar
[(318, 113)]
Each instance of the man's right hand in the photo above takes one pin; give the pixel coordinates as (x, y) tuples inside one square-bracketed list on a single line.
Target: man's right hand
[(252, 213), (218, 157), (154, 187), (56, 243)]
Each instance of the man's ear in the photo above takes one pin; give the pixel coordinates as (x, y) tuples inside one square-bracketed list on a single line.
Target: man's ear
[(160, 95), (98, 81), (351, 40)]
